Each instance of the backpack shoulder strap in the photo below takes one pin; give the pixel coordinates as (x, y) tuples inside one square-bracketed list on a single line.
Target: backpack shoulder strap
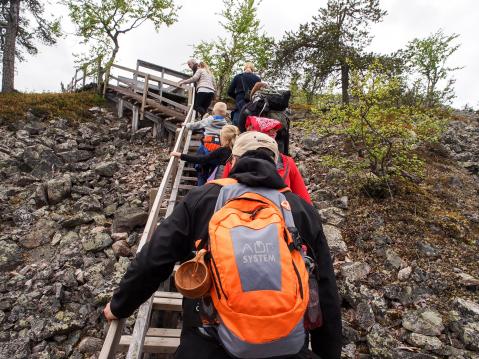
[(285, 189), (224, 181)]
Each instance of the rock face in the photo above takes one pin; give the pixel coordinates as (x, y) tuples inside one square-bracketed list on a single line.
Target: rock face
[(461, 140), (60, 184)]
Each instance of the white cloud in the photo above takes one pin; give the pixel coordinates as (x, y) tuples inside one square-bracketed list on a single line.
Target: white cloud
[(198, 21)]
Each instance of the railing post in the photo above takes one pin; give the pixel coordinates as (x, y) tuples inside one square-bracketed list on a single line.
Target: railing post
[(190, 96), (161, 84), (134, 119), (135, 76), (145, 95), (85, 68), (112, 339), (76, 75), (98, 74), (120, 108), (107, 79)]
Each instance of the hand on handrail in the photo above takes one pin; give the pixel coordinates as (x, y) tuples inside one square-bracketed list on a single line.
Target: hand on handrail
[(108, 313), (175, 154)]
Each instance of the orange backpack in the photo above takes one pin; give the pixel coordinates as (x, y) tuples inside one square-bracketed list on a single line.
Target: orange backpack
[(260, 282)]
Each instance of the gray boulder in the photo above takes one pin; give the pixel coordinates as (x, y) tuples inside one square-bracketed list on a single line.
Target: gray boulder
[(64, 322), (381, 344), (90, 345), (106, 169), (332, 215), (88, 203), (74, 156), (335, 240), (394, 260), (424, 341), (58, 189), (10, 255), (41, 160), (77, 220), (355, 271), (365, 315), (468, 309), (127, 218), (97, 242), (41, 233), (121, 249), (423, 321)]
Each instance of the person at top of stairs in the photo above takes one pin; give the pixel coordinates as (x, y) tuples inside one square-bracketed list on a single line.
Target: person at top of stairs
[(205, 88)]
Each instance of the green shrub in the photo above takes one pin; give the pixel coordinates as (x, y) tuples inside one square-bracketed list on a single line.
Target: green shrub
[(382, 132)]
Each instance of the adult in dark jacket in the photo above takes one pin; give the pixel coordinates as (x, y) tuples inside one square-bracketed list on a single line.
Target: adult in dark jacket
[(174, 240), (241, 84)]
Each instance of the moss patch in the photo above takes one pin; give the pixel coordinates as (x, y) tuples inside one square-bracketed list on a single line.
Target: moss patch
[(72, 106)]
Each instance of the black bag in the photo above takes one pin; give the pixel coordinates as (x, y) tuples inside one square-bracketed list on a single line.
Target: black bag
[(277, 100)]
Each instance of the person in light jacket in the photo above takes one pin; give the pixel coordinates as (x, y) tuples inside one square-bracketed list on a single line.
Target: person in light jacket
[(205, 88)]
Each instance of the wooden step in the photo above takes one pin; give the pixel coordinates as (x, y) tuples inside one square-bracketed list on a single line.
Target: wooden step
[(163, 332), (186, 186), (160, 345), (189, 169), (186, 178), (172, 304), (175, 295)]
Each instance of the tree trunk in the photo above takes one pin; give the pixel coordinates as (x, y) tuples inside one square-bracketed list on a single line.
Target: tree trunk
[(8, 72), (345, 83), (108, 67)]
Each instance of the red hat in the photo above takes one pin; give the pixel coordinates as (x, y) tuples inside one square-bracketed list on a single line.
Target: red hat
[(262, 124)]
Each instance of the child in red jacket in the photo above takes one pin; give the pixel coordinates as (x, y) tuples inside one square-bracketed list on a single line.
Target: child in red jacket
[(286, 166)]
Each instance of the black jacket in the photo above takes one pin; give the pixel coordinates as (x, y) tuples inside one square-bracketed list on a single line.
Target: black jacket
[(240, 84), (218, 157), (174, 239)]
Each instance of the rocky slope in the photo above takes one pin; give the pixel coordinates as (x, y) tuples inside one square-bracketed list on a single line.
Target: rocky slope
[(73, 198), (406, 266)]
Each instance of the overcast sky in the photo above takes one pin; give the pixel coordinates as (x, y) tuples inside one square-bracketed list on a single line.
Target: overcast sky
[(406, 19)]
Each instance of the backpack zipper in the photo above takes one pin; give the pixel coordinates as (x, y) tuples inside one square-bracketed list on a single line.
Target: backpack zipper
[(217, 275), (299, 280)]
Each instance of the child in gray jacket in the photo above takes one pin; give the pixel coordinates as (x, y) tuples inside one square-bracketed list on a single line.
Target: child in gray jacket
[(212, 126)]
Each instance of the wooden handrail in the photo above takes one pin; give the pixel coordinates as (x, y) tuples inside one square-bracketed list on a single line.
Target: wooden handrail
[(75, 79), (159, 68), (143, 74), (114, 331)]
